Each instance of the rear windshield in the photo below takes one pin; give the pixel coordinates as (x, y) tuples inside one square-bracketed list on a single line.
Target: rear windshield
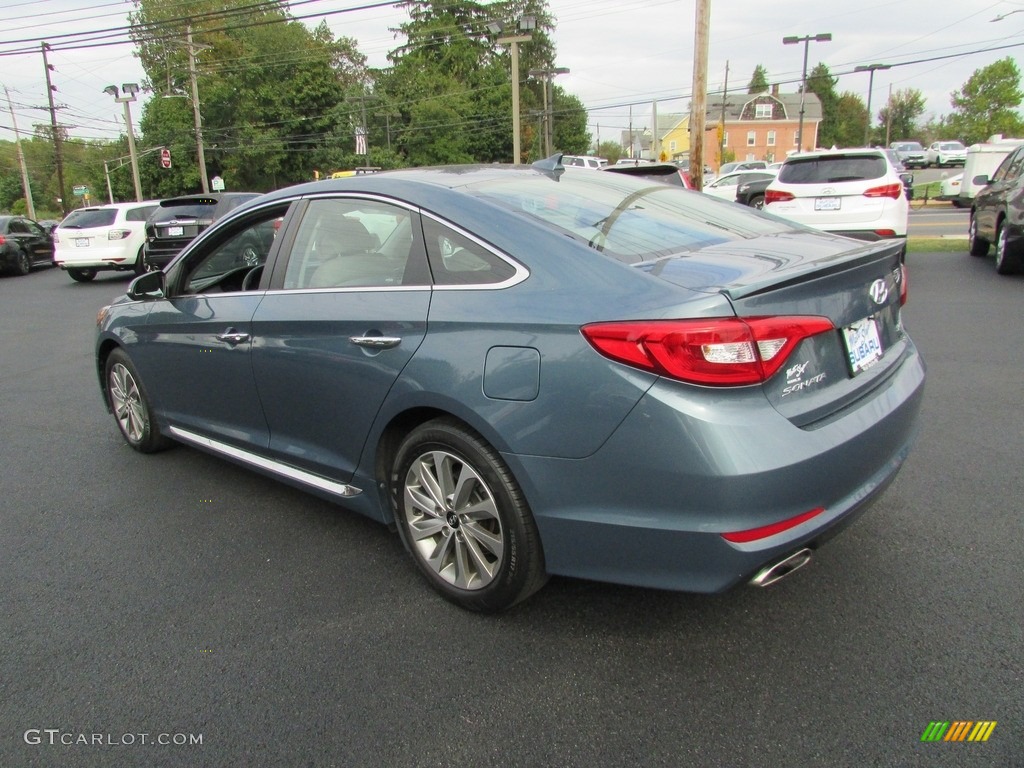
[(191, 211), (88, 218), (630, 219), (832, 170), (140, 214)]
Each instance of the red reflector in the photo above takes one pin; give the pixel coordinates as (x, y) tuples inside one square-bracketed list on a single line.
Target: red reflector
[(753, 534), (719, 351), (895, 191), (777, 196), (885, 232), (904, 284)]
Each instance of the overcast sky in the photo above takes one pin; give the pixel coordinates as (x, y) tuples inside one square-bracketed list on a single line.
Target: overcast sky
[(619, 52)]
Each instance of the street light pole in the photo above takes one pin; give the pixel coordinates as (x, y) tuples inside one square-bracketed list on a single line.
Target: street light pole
[(129, 89), (547, 77), (806, 40), (871, 84)]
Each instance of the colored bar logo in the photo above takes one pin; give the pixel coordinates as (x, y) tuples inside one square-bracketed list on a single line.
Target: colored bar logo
[(958, 730)]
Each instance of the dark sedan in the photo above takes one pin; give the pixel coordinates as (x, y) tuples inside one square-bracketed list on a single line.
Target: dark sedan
[(180, 219), (997, 215), (24, 244), (529, 371)]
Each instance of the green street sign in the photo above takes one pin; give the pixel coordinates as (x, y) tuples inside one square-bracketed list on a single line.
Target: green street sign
[(80, 190)]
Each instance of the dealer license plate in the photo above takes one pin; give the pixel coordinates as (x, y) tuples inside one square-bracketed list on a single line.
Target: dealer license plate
[(827, 203), (175, 231), (863, 344), (81, 242)]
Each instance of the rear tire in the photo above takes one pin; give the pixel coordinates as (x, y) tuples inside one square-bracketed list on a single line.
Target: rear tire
[(22, 265), (140, 263), (976, 245), (1007, 261), (82, 275), (757, 201), (464, 519)]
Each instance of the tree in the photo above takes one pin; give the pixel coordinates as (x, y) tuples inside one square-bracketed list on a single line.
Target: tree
[(821, 83), (758, 81), (610, 151), (988, 103), (846, 128), (898, 118)]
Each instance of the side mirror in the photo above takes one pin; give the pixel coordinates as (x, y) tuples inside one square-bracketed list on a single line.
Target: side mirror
[(981, 180), (147, 286)]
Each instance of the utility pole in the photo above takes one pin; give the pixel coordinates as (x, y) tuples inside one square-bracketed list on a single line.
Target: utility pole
[(698, 104), (196, 117), (656, 140), (721, 122), (57, 148), (25, 184)]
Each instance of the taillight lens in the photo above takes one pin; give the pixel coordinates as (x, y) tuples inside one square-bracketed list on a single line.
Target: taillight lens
[(904, 284), (118, 234), (777, 196), (723, 352), (895, 191)]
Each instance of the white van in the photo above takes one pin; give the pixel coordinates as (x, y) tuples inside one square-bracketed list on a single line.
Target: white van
[(982, 160)]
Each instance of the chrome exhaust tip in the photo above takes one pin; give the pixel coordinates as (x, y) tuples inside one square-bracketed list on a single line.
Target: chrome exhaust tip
[(781, 569)]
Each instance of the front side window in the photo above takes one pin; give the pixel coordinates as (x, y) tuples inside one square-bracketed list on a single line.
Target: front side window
[(1010, 168), (233, 261), (355, 243)]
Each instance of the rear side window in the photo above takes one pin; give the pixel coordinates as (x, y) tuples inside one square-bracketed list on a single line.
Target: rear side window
[(86, 219), (140, 214), (832, 170)]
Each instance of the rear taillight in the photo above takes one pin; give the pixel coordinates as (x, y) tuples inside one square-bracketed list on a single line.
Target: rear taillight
[(904, 281), (723, 352), (3, 240), (755, 534), (118, 234), (777, 196), (895, 191)]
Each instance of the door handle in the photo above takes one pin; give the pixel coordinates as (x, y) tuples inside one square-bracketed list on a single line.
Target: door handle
[(233, 337), (376, 342)]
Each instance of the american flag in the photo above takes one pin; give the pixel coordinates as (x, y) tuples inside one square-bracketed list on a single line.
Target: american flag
[(361, 141)]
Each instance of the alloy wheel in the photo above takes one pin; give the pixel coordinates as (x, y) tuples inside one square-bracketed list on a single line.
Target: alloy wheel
[(126, 401)]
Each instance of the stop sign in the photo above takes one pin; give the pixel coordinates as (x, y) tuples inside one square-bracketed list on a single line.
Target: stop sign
[(165, 158)]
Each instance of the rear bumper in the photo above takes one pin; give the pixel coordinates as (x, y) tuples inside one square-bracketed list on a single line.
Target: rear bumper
[(747, 468), (96, 258)]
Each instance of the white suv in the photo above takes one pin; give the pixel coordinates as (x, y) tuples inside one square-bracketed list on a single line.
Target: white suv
[(102, 237), (584, 161), (943, 153), (852, 192)]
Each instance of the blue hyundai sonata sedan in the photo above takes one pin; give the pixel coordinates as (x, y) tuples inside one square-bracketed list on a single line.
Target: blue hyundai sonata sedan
[(531, 371)]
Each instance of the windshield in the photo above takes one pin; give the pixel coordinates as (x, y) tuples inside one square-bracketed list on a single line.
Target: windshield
[(952, 145), (630, 219), (88, 218)]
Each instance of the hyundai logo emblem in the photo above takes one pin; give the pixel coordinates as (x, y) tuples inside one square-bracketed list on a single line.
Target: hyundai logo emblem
[(879, 291)]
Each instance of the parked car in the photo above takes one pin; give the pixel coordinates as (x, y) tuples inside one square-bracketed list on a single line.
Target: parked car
[(584, 161), (997, 216), (751, 191), (905, 176), (103, 237), (944, 153), (669, 173), (852, 192), (725, 187), (180, 219), (742, 165), (949, 189), (910, 153), (24, 244), (534, 371)]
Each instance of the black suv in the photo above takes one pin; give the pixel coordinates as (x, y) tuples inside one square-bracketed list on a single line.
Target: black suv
[(179, 220), (997, 215)]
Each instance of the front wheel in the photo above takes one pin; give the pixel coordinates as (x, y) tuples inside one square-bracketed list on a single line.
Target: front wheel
[(82, 275), (1007, 262), (463, 517), (131, 406), (976, 245)]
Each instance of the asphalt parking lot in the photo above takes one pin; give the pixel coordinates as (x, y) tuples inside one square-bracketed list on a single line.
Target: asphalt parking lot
[(176, 610)]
